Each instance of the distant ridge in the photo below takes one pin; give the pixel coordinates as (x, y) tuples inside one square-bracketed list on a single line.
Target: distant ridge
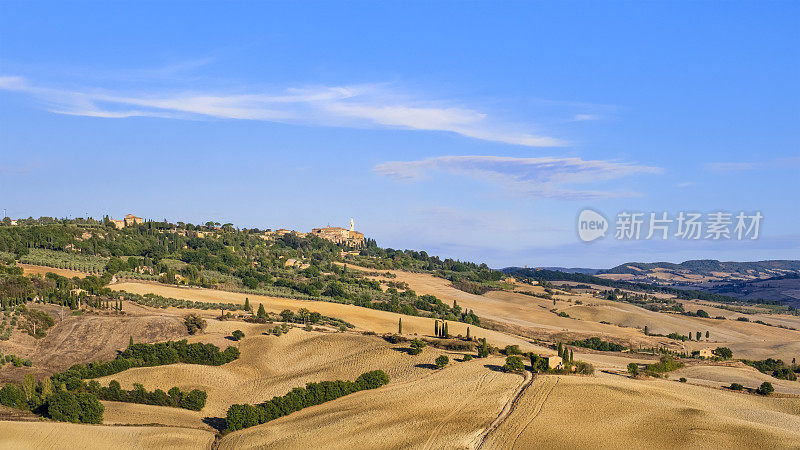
[(583, 270), (756, 269)]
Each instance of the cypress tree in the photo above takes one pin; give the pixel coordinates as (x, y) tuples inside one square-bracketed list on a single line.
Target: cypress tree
[(130, 342), (446, 332), (560, 350), (570, 356), (261, 312), (436, 328), (247, 304), (467, 333), (400, 326), (707, 334)]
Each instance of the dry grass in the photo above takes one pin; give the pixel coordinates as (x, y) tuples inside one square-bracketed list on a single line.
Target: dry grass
[(30, 269), (56, 436), (581, 412), (445, 409)]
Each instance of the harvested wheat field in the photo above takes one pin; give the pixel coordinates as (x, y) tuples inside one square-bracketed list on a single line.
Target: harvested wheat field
[(363, 318), (584, 412), (55, 436), (41, 270), (272, 365), (622, 320), (443, 409)]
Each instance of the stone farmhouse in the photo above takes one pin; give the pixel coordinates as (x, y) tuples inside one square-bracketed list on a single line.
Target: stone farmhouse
[(129, 221)]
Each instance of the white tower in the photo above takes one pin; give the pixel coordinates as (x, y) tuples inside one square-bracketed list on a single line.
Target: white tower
[(352, 225)]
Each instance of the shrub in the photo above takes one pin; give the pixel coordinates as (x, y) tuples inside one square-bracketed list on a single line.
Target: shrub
[(467, 358), (723, 352), (237, 335), (633, 369), (765, 388), (67, 406), (483, 350), (194, 323), (784, 373), (702, 313), (682, 379), (513, 364), (596, 343), (736, 387), (416, 346), (666, 364), (584, 368), (512, 350), (442, 361)]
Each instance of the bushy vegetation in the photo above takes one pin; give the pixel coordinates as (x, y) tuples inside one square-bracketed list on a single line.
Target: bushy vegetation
[(175, 397), (596, 343), (442, 361), (775, 367), (241, 416), (68, 406), (194, 323), (666, 364), (765, 388), (146, 355), (513, 364)]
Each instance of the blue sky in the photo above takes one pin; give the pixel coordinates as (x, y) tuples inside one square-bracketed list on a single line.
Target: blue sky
[(467, 129)]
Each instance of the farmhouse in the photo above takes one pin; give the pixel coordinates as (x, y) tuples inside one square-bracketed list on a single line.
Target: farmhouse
[(340, 235), (131, 220), (707, 352)]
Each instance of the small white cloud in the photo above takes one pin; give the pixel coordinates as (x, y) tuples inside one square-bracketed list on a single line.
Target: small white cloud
[(585, 117), (685, 184), (536, 177)]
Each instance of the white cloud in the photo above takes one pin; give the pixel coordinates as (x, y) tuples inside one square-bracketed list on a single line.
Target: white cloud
[(537, 177), (357, 106), (585, 117)]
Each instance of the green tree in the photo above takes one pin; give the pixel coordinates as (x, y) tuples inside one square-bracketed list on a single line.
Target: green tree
[(699, 335), (442, 361), (247, 304), (416, 346), (400, 325), (468, 338), (436, 328), (29, 387), (646, 333), (765, 388), (723, 352), (483, 350), (237, 335), (707, 334), (513, 364), (633, 369), (261, 312), (130, 341)]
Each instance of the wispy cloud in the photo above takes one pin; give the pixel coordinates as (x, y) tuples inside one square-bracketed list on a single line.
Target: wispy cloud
[(537, 177), (356, 106), (755, 165), (585, 117)]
